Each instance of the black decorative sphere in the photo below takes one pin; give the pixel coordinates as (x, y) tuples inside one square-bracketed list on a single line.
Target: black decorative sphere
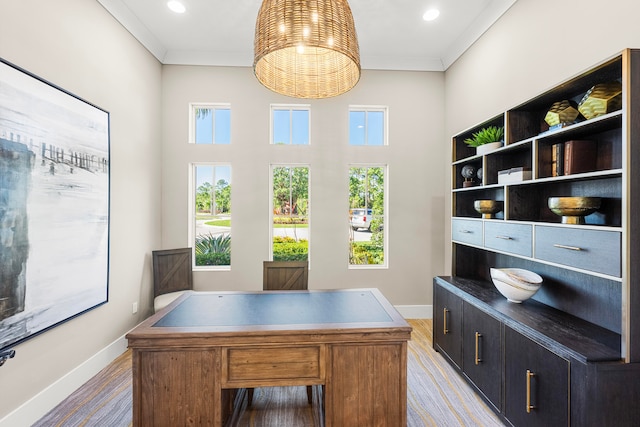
[(468, 172)]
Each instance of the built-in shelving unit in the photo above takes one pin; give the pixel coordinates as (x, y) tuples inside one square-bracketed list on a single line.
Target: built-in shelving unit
[(583, 326)]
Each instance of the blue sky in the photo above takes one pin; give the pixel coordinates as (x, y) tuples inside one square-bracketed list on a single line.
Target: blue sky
[(204, 173)]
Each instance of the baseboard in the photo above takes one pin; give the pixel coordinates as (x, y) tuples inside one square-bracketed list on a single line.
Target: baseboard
[(415, 311), (36, 407)]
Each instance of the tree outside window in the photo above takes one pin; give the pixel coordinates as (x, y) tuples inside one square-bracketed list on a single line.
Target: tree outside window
[(367, 215), (290, 213), (212, 215)]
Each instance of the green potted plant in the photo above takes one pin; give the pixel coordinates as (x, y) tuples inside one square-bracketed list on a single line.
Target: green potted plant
[(486, 139)]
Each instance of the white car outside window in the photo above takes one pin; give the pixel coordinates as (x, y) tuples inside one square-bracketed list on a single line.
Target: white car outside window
[(361, 218)]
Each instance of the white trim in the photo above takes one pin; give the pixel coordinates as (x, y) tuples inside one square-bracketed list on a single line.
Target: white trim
[(415, 311), (213, 106), (193, 188), (385, 221), (38, 406), (368, 109), (290, 108)]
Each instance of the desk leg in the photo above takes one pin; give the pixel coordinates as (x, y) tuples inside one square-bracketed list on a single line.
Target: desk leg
[(367, 385)]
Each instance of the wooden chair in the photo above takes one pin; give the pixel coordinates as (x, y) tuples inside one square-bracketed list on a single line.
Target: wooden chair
[(172, 275), (284, 275)]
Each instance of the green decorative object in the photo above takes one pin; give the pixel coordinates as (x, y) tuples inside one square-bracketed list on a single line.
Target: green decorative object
[(564, 111), (485, 136), (601, 99)]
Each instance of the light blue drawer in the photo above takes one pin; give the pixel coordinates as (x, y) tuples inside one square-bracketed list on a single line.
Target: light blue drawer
[(592, 250), (467, 231), (506, 237)]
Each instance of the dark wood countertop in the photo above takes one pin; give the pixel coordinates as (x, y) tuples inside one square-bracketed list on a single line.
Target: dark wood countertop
[(560, 332)]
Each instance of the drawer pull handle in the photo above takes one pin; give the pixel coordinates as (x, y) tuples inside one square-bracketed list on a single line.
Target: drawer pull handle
[(571, 248), (445, 311), (466, 231), (504, 237), (529, 405), (478, 336)]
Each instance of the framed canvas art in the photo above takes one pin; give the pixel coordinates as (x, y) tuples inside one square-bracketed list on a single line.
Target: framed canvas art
[(54, 205)]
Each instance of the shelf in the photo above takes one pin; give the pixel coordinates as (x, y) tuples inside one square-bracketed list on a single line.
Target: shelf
[(586, 316)]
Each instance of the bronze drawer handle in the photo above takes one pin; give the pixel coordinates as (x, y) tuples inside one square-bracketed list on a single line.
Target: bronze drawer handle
[(504, 237), (571, 248), (529, 405), (478, 336)]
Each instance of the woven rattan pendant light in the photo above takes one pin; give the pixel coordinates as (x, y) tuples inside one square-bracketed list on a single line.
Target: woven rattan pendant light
[(306, 48)]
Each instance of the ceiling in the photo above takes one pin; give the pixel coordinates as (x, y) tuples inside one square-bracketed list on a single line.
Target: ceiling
[(391, 33)]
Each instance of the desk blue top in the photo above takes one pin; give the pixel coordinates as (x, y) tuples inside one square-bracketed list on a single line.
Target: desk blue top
[(275, 308)]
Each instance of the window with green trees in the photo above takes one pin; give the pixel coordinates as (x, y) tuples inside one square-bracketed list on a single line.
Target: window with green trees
[(367, 215), (212, 215), (290, 213)]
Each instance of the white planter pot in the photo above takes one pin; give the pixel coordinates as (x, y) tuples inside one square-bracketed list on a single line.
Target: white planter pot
[(486, 148)]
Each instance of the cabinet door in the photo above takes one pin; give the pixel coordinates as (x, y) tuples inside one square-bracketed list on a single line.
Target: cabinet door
[(481, 355), (536, 383), (448, 324)]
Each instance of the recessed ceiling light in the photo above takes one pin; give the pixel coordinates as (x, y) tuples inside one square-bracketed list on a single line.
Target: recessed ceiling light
[(176, 6), (431, 14)]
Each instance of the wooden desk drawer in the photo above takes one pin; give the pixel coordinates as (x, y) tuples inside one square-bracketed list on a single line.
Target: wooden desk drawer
[(513, 238), (261, 366), (466, 231), (592, 250)]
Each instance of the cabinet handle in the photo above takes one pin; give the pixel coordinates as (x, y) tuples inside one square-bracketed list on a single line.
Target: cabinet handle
[(466, 231), (571, 248), (478, 336), (529, 405), (504, 237), (445, 311)]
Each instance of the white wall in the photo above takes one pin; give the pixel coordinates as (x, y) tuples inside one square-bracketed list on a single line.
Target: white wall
[(416, 175), (533, 47), (78, 46)]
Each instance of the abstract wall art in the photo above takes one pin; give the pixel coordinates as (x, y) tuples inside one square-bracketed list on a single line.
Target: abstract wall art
[(54, 205)]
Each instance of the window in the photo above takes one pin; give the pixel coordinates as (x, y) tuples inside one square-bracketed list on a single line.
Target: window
[(290, 124), (211, 209), (210, 124), (290, 213), (367, 242), (367, 126)]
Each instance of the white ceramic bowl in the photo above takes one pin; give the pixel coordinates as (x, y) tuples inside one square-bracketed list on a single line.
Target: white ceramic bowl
[(516, 284), (518, 277)]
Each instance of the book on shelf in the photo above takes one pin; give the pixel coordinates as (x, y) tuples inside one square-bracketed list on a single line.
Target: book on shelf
[(557, 159), (579, 156)]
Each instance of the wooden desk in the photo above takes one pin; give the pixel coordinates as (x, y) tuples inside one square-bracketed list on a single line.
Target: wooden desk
[(188, 357)]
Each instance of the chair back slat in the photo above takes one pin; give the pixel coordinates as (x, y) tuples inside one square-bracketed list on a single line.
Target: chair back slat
[(172, 271), (285, 275)]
